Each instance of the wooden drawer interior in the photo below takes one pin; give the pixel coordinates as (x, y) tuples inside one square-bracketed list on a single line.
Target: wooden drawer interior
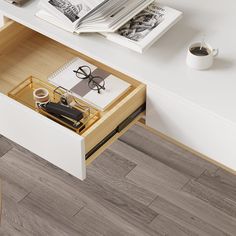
[(24, 53)]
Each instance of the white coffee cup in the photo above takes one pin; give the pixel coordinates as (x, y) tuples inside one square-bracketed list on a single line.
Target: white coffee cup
[(201, 61)]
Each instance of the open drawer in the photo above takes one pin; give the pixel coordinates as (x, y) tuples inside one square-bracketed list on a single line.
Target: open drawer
[(25, 53)]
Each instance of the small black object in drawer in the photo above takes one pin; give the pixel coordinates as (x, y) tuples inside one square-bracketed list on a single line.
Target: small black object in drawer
[(58, 109)]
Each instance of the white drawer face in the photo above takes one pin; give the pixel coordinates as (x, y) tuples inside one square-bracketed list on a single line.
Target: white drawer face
[(1, 20), (42, 136), (192, 126), (25, 53)]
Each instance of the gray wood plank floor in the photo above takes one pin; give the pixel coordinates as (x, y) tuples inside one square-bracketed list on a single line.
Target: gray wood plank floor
[(142, 185)]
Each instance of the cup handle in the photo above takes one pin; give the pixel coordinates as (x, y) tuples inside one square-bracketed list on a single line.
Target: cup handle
[(215, 52)]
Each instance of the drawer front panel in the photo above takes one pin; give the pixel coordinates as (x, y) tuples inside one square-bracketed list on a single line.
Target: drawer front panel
[(1, 20), (49, 140), (192, 126)]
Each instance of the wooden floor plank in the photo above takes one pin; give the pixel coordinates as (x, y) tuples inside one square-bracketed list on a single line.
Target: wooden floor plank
[(166, 152), (14, 190), (5, 146), (101, 215), (162, 172), (52, 215), (15, 184), (75, 189), (11, 229), (99, 205), (97, 224), (212, 197), (185, 218), (96, 190), (116, 201), (22, 161), (168, 227), (184, 200), (114, 165), (220, 181), (125, 186), (52, 202), (27, 223), (24, 174)]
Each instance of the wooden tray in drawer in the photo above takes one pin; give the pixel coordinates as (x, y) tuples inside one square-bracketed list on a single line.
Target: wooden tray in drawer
[(23, 93), (27, 53)]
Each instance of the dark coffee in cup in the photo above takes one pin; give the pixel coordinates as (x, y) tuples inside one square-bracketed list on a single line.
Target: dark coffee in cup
[(201, 56), (199, 51)]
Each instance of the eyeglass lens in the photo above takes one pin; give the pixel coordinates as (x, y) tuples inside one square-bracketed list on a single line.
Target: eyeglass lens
[(96, 83), (83, 72)]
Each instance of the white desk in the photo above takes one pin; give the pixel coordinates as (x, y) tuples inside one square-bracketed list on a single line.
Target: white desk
[(193, 107)]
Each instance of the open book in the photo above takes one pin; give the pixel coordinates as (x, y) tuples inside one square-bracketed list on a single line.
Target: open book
[(90, 15), (140, 32)]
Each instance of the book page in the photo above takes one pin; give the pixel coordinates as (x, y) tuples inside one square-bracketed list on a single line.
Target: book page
[(143, 23), (93, 3), (71, 11), (112, 16), (145, 28)]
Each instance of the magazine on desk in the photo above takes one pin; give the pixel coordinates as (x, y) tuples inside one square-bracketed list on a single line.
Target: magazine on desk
[(90, 15), (145, 28)]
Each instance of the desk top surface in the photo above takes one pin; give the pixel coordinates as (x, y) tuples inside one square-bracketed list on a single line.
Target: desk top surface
[(164, 63)]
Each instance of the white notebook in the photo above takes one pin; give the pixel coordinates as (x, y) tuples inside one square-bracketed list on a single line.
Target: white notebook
[(66, 78)]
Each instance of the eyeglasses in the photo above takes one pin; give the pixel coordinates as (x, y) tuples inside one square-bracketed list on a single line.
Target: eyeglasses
[(96, 83)]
